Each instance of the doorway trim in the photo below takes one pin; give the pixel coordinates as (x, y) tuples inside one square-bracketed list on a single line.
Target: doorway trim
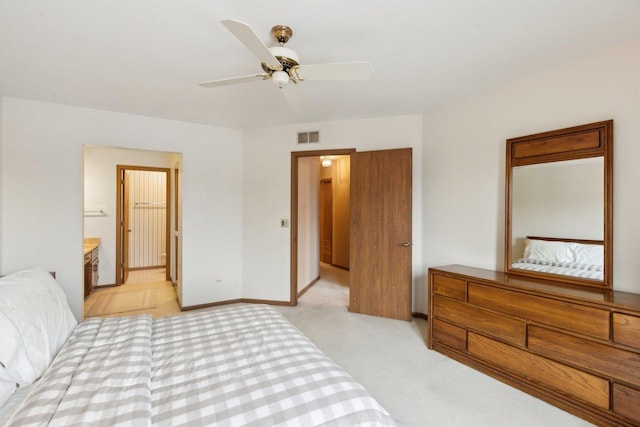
[(176, 219), (295, 155), (120, 226)]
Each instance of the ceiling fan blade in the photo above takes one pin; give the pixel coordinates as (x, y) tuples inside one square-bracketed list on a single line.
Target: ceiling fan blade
[(234, 80), (245, 34), (333, 71), (296, 98)]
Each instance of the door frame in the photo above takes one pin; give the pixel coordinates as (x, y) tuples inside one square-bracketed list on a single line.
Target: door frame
[(120, 226), (176, 222), (295, 155)]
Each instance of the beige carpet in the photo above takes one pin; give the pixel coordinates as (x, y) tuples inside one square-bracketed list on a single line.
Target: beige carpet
[(419, 387), (122, 302)]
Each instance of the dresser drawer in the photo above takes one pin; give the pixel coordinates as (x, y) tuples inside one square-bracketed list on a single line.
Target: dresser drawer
[(601, 358), (562, 314), (626, 402), (449, 287), (449, 334), (545, 372), (626, 329), (495, 325)]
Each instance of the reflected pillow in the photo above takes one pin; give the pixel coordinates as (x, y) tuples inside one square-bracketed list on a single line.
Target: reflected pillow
[(588, 254), (544, 250)]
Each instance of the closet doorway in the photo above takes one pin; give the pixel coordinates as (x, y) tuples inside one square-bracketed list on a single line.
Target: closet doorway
[(143, 219)]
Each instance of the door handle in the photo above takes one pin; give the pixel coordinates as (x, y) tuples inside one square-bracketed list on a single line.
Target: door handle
[(406, 244)]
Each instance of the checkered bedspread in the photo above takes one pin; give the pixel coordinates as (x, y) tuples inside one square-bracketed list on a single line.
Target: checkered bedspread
[(244, 365)]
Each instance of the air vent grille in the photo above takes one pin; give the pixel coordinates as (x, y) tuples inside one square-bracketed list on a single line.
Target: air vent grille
[(311, 137)]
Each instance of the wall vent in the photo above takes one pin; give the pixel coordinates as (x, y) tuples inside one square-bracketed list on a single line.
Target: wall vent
[(309, 137)]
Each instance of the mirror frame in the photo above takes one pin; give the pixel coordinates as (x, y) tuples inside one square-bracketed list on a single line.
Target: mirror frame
[(577, 142)]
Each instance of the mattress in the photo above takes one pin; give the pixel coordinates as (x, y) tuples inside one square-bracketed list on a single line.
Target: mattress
[(564, 268), (241, 365)]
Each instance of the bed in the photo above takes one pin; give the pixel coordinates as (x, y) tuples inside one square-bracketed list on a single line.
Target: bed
[(238, 365), (570, 257)]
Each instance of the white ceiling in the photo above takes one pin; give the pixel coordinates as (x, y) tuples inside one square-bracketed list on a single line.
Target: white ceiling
[(147, 56)]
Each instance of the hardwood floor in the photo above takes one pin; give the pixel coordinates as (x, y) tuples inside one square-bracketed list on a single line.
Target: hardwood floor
[(166, 302)]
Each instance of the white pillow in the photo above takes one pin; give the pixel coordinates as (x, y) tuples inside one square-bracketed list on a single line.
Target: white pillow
[(548, 250), (37, 319), (7, 385), (13, 353), (588, 254)]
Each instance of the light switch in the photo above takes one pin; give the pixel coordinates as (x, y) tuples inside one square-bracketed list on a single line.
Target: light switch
[(284, 223)]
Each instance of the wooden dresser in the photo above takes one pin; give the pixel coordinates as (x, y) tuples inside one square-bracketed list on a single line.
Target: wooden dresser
[(572, 347)]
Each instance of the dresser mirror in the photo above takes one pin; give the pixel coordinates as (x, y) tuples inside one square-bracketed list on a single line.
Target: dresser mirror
[(559, 205)]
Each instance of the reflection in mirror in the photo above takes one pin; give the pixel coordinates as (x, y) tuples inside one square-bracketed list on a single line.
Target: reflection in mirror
[(564, 201), (559, 204)]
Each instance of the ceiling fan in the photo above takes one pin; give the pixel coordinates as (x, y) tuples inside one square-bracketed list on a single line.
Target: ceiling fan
[(282, 65)]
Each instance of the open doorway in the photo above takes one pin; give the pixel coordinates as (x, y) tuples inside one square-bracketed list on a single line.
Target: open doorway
[(380, 217), (152, 212), (320, 224), (334, 210)]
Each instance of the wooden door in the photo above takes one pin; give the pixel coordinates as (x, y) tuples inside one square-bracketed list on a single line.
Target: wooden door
[(122, 224), (380, 251), (326, 221), (176, 206), (126, 230)]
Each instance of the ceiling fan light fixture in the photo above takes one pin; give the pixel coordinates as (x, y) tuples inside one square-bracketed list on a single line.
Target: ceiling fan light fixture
[(280, 78), (282, 64)]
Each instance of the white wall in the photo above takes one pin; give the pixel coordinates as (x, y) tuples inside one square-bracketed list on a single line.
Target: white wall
[(308, 220), (1, 186), (464, 156), (100, 194), (234, 246), (267, 194), (42, 192)]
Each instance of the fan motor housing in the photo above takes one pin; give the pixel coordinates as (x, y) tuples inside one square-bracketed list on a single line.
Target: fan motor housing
[(287, 57)]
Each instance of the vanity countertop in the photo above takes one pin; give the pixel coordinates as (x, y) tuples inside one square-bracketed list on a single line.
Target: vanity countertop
[(90, 243)]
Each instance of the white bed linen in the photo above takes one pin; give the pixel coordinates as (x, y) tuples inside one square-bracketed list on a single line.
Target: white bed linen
[(567, 269), (101, 376), (242, 365), (12, 404), (8, 385), (35, 321)]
